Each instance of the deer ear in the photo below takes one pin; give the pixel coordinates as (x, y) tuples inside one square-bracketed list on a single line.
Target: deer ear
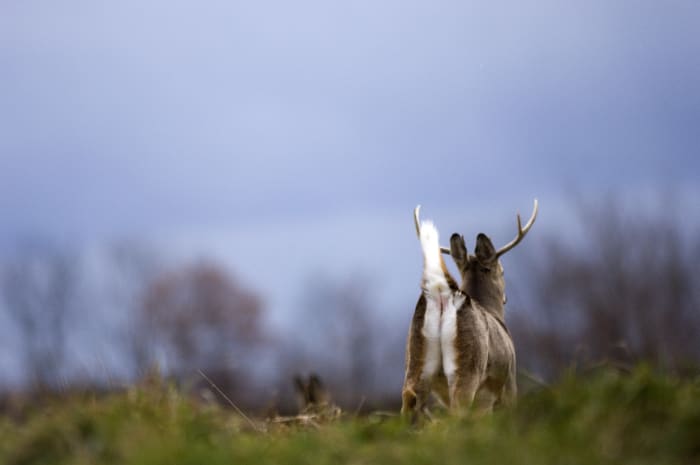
[(485, 251), (299, 385), (315, 387), (458, 250), (315, 381)]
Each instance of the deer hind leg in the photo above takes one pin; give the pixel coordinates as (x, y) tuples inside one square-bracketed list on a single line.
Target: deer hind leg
[(468, 394), (463, 390), (417, 387), (465, 377), (487, 396), (414, 399), (464, 353), (440, 390)]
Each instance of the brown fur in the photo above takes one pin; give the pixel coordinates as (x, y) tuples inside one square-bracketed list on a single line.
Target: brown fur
[(485, 374), (412, 394), (481, 364), (312, 395), (486, 364)]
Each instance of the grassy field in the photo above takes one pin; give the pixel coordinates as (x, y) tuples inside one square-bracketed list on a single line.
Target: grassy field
[(640, 418)]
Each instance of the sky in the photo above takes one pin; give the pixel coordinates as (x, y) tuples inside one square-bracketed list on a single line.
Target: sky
[(293, 139)]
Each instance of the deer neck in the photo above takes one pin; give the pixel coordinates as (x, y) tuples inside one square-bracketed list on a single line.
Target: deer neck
[(491, 302)]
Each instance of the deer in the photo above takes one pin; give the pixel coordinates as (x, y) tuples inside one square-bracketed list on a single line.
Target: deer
[(458, 345), (313, 399), (311, 393)]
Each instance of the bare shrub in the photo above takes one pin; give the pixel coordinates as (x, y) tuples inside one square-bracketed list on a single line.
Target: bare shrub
[(39, 286), (199, 318), (626, 292)]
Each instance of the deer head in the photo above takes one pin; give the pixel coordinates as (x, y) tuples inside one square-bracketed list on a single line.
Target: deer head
[(482, 272), (311, 392)]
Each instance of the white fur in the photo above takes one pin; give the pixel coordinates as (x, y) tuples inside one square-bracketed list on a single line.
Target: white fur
[(434, 281), (448, 334), (439, 300), (431, 332)]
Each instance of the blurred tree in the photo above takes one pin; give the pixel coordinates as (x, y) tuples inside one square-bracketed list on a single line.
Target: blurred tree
[(200, 318), (626, 292), (39, 286), (133, 266)]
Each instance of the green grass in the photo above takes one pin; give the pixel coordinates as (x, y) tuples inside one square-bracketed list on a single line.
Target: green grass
[(642, 418)]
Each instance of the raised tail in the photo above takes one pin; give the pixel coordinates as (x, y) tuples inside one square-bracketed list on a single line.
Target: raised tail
[(436, 279)]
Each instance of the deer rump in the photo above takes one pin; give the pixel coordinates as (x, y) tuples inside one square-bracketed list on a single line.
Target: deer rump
[(459, 351)]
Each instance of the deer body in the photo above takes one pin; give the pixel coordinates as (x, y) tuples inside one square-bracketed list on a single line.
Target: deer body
[(458, 344)]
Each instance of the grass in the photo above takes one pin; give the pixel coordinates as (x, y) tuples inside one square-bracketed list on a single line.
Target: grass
[(640, 418)]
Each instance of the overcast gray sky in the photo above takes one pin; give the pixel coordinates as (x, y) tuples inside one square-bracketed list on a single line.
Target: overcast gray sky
[(286, 138)]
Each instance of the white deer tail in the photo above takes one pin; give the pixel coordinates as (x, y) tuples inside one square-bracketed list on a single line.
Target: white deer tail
[(434, 279)]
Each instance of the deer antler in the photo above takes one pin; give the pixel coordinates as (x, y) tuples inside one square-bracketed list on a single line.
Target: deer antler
[(416, 220), (521, 232)]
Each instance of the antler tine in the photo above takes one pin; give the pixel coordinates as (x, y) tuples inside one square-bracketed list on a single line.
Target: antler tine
[(521, 231), (416, 221)]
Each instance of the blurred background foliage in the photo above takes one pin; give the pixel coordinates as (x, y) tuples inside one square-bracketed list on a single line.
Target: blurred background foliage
[(226, 188), (622, 290)]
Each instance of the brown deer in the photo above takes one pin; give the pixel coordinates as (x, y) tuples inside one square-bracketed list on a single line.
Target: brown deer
[(311, 393), (314, 400), (458, 344)]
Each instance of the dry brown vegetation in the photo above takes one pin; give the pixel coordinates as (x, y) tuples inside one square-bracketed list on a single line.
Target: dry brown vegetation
[(627, 291)]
